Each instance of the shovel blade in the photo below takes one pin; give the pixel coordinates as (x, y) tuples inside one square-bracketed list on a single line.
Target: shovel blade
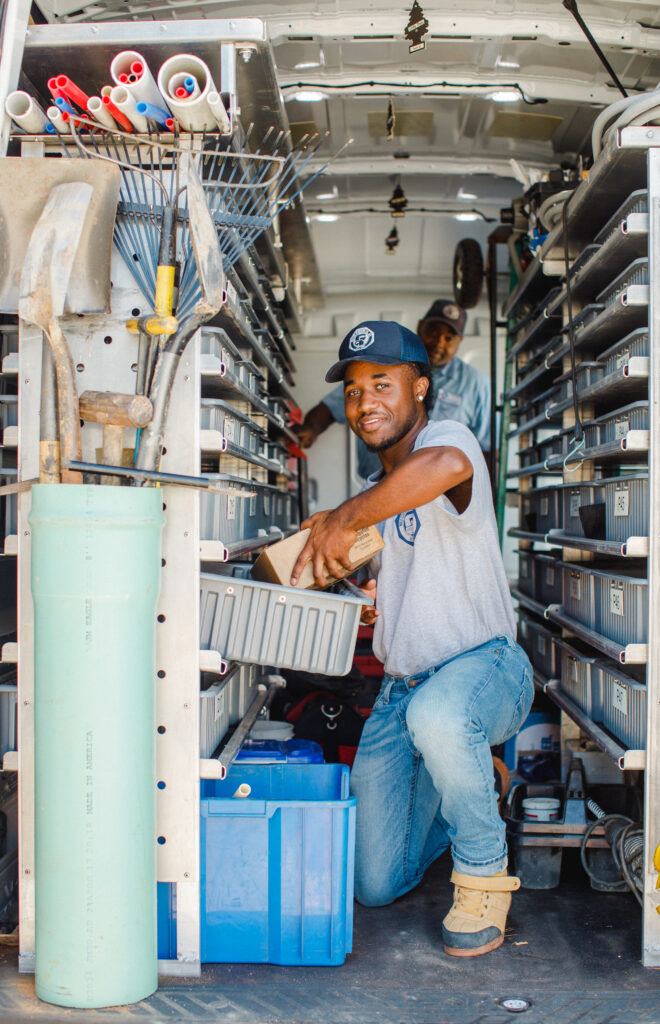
[(51, 253), (25, 184), (205, 244)]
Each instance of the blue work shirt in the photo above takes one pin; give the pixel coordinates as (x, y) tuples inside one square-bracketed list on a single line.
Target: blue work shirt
[(459, 393)]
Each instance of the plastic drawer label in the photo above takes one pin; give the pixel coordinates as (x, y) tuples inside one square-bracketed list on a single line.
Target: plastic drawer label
[(621, 428), (575, 505), (231, 506), (616, 599), (219, 703), (550, 576), (573, 670), (620, 698), (574, 587), (545, 505), (621, 499), (252, 511), (266, 504), (540, 644), (229, 428)]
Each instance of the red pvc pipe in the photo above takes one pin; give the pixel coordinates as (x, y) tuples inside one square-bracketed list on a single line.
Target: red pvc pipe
[(123, 78), (54, 91), (71, 91), (120, 118), (169, 124), (181, 93), (136, 68)]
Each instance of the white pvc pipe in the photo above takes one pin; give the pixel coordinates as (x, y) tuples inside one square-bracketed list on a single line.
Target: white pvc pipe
[(193, 113), (26, 112), (145, 89), (127, 103), (55, 115), (219, 112), (178, 80), (98, 111), (242, 792)]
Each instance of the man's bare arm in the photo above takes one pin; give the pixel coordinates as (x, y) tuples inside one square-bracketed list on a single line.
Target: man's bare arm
[(421, 477)]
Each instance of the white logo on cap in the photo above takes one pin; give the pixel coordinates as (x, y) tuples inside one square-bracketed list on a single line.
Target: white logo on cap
[(453, 312), (361, 338)]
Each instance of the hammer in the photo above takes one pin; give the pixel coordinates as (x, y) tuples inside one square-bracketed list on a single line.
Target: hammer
[(115, 411)]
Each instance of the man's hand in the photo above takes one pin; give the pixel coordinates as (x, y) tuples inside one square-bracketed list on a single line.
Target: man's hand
[(316, 421), (369, 612), (306, 435), (327, 547)]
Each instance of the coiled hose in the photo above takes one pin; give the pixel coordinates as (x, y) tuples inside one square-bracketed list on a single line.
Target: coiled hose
[(549, 212), (626, 839), (644, 109)]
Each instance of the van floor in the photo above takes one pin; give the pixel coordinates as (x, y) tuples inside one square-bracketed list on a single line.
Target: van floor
[(572, 953)]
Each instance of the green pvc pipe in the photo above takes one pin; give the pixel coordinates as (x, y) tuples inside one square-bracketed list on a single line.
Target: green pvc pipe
[(95, 580)]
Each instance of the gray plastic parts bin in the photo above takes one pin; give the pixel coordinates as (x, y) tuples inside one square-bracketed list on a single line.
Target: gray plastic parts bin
[(265, 624)]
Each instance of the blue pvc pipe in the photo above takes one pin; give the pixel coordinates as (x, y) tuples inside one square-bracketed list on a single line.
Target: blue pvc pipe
[(95, 580), (156, 114)]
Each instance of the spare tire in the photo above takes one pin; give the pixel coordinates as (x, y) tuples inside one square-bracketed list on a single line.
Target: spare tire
[(468, 275)]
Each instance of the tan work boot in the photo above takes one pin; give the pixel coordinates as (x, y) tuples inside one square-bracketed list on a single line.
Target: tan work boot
[(475, 924)]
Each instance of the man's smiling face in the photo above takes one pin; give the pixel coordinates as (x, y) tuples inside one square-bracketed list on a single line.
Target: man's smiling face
[(382, 402)]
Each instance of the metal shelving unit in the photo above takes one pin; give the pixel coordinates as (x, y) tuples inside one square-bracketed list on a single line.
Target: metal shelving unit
[(242, 364), (597, 503)]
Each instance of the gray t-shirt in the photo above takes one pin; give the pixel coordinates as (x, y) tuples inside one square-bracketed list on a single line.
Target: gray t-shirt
[(442, 589)]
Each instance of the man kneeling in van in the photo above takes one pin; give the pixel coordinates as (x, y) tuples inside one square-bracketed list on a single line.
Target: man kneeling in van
[(456, 681)]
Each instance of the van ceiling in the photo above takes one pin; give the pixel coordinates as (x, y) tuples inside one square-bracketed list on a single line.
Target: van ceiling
[(455, 148)]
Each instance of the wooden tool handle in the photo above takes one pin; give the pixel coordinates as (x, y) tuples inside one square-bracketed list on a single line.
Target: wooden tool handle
[(115, 409)]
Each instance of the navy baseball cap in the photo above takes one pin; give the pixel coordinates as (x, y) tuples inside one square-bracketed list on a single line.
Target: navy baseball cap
[(378, 341), (443, 311)]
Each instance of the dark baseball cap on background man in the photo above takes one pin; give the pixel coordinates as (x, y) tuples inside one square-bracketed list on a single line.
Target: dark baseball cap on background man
[(443, 311), (378, 341)]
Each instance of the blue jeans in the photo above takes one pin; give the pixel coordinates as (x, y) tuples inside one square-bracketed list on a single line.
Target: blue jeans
[(423, 774)]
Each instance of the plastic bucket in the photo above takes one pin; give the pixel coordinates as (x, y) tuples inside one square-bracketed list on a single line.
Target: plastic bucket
[(541, 808)]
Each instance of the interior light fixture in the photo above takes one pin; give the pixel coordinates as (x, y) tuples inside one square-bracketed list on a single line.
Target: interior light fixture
[(326, 218), (334, 194), (392, 241), (466, 196), (307, 64), (467, 216), (310, 96), (504, 95), (501, 63), (398, 201)]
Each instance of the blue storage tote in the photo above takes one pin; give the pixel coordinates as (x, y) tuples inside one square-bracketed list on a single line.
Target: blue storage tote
[(280, 752), (277, 866)]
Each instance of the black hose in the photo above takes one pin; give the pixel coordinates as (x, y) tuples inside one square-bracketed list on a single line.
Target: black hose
[(618, 829)]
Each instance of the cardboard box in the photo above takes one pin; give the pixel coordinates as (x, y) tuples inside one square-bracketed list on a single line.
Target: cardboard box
[(275, 563)]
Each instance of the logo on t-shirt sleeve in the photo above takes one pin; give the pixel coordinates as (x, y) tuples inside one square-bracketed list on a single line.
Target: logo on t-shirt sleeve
[(407, 526)]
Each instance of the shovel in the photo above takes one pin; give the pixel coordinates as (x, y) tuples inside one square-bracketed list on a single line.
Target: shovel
[(212, 280), (45, 278)]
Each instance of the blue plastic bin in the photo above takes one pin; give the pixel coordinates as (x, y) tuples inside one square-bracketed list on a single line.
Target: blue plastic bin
[(280, 752), (277, 866)]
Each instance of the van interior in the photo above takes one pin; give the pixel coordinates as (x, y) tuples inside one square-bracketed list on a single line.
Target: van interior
[(437, 150)]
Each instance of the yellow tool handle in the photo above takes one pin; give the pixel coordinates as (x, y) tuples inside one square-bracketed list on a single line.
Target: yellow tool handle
[(154, 325), (164, 290)]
